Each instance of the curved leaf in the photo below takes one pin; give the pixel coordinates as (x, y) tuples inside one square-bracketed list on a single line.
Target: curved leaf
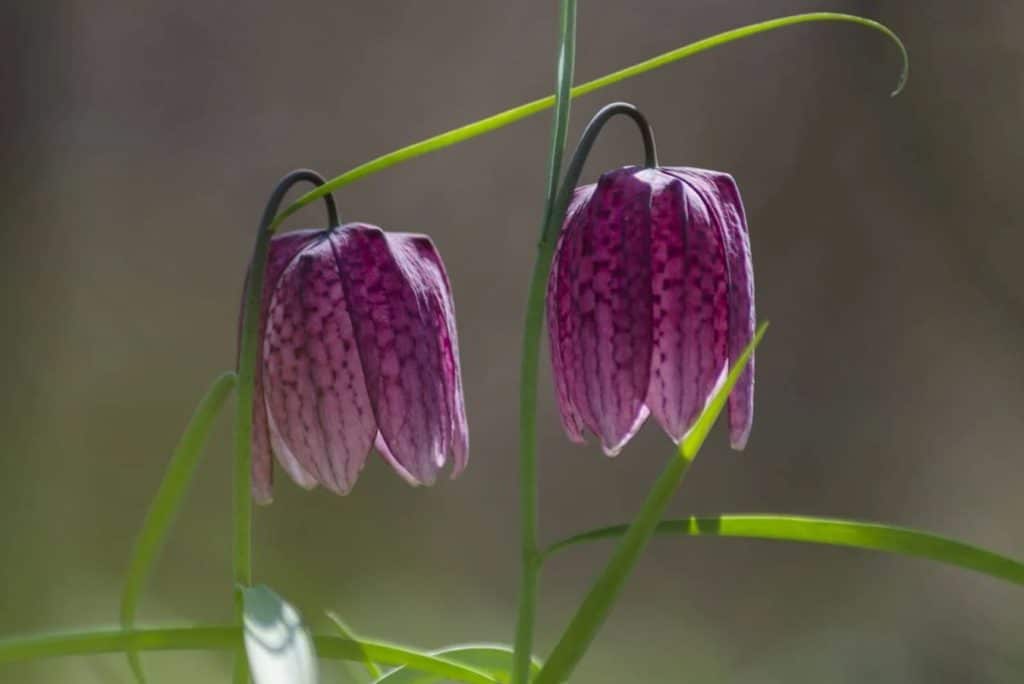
[(343, 629), (222, 638), (494, 659), (168, 500), (496, 121), (829, 531)]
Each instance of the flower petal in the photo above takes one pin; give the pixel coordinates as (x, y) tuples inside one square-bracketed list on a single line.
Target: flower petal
[(562, 319), (282, 250), (385, 451), (316, 394), (439, 294), (612, 293), (389, 292), (723, 197), (691, 314)]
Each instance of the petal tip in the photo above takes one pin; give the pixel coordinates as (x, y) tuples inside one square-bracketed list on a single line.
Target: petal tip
[(738, 442)]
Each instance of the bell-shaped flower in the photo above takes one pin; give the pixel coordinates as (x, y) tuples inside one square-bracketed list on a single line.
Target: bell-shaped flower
[(650, 300), (358, 350)]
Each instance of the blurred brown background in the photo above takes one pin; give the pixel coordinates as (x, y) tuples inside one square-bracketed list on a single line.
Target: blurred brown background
[(140, 140)]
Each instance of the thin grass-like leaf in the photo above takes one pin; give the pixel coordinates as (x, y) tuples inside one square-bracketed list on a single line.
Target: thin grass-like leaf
[(496, 121), (494, 659), (224, 638), (343, 629), (168, 501), (828, 531)]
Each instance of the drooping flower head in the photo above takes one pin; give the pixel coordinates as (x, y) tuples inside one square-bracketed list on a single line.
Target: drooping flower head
[(358, 350), (649, 301)]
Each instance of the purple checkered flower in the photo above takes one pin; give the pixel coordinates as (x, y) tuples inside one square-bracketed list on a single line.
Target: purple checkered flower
[(358, 350), (651, 297)]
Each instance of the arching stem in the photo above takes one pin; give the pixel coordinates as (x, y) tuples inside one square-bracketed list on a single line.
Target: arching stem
[(556, 207), (247, 357)]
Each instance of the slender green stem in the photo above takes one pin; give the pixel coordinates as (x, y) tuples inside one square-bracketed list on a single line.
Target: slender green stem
[(563, 103), (502, 119), (222, 638), (247, 359), (529, 550), (827, 531), (168, 501), (556, 206), (531, 561), (591, 614)]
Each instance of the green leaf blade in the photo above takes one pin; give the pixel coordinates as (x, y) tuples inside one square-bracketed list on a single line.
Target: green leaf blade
[(343, 630), (494, 659), (502, 119), (436, 666), (831, 532), (168, 501)]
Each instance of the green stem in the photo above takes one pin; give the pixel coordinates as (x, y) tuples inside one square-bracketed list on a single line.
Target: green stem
[(221, 638), (826, 531), (509, 116), (530, 559), (529, 550), (248, 355), (558, 202), (168, 500)]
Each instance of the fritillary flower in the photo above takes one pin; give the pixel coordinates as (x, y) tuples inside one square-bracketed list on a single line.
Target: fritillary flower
[(358, 351), (649, 301)]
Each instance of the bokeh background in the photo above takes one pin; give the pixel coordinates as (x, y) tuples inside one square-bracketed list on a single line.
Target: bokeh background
[(140, 140)]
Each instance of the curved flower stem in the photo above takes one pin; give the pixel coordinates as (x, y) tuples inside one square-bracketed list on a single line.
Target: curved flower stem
[(583, 148), (591, 614), (247, 357), (529, 549), (222, 638), (556, 207), (509, 116)]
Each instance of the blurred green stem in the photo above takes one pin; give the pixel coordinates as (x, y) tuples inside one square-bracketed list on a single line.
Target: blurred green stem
[(529, 549)]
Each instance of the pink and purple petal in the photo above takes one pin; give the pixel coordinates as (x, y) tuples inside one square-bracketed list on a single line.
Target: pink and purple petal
[(320, 413), (281, 251), (562, 319), (722, 195), (612, 293), (389, 299), (689, 305), (442, 306)]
